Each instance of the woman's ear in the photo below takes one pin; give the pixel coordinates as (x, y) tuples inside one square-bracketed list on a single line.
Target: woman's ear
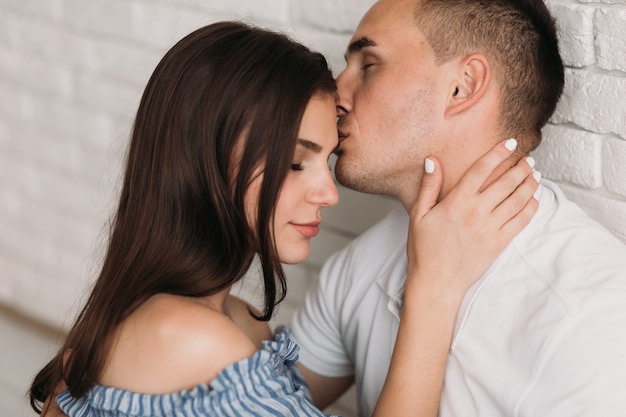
[(470, 85)]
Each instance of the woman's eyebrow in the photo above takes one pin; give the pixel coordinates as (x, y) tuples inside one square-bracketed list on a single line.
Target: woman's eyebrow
[(312, 146)]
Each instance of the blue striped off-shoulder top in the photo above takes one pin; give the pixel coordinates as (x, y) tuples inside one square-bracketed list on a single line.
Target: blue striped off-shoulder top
[(266, 384)]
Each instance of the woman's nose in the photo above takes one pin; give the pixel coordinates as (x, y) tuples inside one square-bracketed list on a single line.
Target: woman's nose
[(325, 192)]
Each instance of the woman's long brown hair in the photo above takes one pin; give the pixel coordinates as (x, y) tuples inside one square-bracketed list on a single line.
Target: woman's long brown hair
[(180, 227)]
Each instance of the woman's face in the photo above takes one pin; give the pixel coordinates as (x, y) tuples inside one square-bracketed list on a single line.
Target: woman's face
[(308, 186)]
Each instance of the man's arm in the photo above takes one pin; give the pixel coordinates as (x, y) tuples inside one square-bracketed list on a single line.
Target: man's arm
[(323, 360), (325, 390)]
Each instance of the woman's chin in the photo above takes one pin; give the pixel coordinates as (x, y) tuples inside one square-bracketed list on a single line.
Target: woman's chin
[(292, 256)]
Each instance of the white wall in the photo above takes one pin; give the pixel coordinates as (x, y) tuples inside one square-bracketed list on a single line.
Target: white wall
[(585, 146), (71, 74)]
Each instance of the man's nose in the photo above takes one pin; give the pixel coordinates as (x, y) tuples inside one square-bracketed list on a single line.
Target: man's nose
[(344, 93)]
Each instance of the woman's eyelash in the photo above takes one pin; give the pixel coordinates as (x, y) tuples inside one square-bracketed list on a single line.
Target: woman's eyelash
[(296, 167)]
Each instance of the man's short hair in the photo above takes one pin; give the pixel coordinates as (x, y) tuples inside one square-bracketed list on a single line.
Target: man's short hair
[(519, 38)]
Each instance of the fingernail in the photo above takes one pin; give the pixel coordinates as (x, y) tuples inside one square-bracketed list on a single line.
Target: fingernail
[(531, 161), (429, 166), (537, 176), (510, 144)]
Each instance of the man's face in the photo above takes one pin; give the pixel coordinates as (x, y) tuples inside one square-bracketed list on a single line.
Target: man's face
[(388, 104)]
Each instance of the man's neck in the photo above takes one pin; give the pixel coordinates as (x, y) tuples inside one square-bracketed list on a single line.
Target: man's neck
[(454, 172)]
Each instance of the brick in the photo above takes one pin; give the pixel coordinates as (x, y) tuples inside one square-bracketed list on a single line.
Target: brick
[(35, 72), (102, 17), (7, 293), (46, 8), (119, 60), (112, 57), (115, 97), (594, 100), (163, 25), (53, 303), (270, 11), (571, 155), (16, 104), (6, 133), (5, 26), (95, 128), (331, 45), (576, 35), (610, 34), (614, 157), (27, 32), (333, 15)]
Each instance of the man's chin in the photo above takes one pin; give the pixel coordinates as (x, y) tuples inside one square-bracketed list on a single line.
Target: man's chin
[(353, 179)]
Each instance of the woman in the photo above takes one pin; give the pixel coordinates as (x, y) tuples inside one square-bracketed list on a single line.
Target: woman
[(228, 161)]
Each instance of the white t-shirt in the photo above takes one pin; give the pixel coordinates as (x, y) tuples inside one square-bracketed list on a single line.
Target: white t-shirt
[(542, 333)]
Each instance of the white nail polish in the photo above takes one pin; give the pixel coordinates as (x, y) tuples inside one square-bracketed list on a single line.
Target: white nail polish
[(531, 161), (510, 144), (537, 177), (429, 166)]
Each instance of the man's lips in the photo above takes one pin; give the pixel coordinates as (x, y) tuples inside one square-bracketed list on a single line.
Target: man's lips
[(342, 136), (308, 230)]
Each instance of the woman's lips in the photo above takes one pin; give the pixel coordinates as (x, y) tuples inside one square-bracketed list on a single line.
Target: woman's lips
[(308, 230)]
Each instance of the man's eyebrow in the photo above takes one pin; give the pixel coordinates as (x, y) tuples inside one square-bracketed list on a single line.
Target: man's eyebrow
[(312, 146), (359, 44)]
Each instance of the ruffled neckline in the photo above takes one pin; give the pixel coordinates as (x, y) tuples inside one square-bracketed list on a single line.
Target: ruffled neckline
[(276, 358)]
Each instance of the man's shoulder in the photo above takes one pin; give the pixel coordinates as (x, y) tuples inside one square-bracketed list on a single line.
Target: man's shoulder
[(564, 223), (571, 251)]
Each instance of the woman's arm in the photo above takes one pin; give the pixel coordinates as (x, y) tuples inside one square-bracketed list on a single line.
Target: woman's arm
[(50, 407), (450, 245)]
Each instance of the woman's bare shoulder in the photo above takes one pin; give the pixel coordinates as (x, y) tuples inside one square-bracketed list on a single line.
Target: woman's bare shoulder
[(172, 343), (239, 310)]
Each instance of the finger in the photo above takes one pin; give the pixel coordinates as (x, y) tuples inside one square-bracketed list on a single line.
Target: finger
[(520, 220), (474, 179), (516, 201), (500, 189), (430, 188)]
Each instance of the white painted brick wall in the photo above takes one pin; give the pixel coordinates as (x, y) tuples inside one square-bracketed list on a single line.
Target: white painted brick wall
[(71, 75), (584, 147)]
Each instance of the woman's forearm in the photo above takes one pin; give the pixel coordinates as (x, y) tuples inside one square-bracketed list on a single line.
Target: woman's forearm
[(415, 379)]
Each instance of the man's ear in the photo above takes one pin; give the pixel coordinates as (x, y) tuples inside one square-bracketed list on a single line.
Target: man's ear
[(470, 85)]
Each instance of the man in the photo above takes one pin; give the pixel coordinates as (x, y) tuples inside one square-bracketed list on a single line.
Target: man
[(542, 332)]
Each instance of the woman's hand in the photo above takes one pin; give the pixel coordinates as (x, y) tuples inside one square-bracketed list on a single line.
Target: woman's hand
[(453, 242), (450, 245)]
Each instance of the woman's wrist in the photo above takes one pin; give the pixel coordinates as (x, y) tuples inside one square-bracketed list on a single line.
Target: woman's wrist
[(433, 293)]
